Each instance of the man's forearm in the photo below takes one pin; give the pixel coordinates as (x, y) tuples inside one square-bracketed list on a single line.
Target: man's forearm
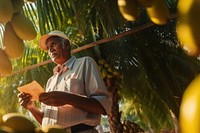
[(88, 104), (57, 98), (37, 114)]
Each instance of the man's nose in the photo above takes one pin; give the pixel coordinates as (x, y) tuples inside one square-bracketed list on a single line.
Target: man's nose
[(51, 49)]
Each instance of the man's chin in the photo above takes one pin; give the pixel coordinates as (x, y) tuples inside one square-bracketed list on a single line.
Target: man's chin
[(53, 59)]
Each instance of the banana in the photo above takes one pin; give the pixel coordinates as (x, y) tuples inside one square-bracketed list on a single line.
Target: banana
[(158, 12), (188, 28), (188, 39), (184, 7), (190, 108), (129, 9)]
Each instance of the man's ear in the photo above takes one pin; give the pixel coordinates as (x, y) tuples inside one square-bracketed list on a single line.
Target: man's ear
[(67, 44)]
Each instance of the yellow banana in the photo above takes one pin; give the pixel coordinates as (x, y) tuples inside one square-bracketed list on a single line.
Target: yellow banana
[(188, 28), (158, 12), (188, 39), (129, 9), (190, 108)]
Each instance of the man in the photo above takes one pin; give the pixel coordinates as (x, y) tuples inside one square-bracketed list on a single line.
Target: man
[(75, 95)]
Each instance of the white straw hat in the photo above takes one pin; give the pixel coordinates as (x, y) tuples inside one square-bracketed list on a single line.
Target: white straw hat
[(42, 41)]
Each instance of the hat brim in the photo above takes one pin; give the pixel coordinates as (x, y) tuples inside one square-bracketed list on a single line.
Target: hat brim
[(42, 41)]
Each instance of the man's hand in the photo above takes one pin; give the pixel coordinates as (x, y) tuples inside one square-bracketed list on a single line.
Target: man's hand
[(54, 98), (25, 100)]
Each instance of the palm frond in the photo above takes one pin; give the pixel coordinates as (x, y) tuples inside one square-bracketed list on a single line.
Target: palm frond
[(155, 70)]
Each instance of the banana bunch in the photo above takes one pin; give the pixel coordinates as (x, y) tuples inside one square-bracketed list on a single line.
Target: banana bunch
[(157, 10), (188, 28), (17, 29), (106, 70), (131, 127), (17, 123)]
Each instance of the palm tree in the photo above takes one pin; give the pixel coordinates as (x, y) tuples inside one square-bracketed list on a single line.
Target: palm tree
[(155, 69)]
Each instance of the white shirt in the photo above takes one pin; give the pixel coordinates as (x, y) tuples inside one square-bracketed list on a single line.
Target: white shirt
[(82, 77)]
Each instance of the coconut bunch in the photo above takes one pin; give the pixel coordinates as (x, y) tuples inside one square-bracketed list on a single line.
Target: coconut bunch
[(156, 9), (107, 71), (17, 29), (17, 123)]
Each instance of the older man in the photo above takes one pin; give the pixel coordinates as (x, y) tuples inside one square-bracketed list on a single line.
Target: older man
[(75, 95)]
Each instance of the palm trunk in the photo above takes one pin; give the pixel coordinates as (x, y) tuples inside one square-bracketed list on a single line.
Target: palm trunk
[(114, 118)]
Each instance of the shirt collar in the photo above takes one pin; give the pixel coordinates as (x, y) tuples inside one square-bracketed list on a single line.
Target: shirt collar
[(68, 65)]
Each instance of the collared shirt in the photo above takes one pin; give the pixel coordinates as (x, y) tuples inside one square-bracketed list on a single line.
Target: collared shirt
[(80, 76)]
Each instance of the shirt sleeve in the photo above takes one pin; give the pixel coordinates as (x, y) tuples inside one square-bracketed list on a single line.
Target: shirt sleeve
[(95, 86)]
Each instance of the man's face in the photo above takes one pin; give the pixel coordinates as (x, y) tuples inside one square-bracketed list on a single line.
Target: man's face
[(58, 50)]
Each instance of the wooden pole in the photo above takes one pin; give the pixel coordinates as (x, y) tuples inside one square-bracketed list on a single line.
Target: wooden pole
[(90, 45)]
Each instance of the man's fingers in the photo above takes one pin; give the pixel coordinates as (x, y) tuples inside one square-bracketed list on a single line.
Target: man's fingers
[(24, 95)]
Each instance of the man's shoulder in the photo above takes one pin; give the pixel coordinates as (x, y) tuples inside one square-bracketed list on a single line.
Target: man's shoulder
[(85, 58)]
